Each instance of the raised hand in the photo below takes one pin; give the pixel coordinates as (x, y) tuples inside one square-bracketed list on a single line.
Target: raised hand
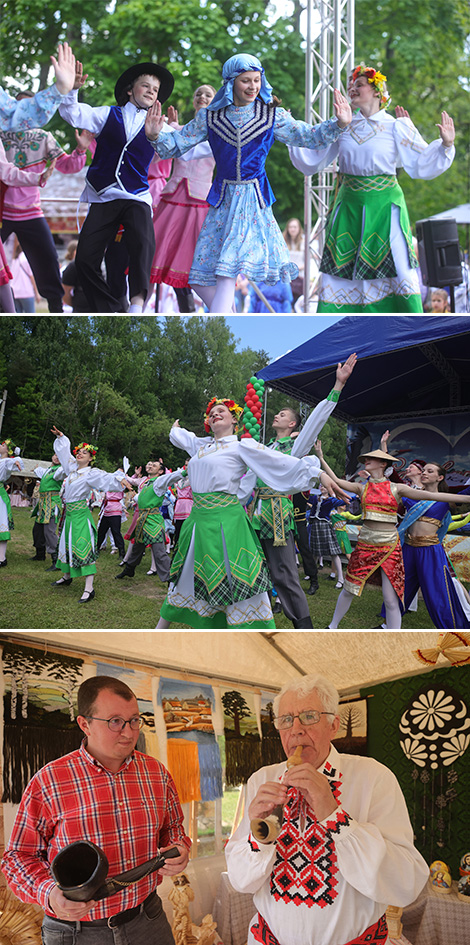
[(154, 121), (344, 371), (64, 68), (56, 432), (80, 79), (342, 109), (83, 138), (172, 114), (401, 112), (447, 130)]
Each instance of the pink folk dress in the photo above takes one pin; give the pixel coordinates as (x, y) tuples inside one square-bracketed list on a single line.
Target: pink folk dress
[(179, 217)]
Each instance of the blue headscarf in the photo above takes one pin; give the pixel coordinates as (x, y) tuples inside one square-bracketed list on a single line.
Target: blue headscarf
[(234, 66)]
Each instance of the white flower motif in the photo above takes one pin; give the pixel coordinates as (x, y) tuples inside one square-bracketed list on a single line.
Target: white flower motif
[(414, 751), (432, 709), (454, 748)]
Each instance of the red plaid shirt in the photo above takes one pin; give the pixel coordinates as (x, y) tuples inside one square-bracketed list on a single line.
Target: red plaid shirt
[(129, 815)]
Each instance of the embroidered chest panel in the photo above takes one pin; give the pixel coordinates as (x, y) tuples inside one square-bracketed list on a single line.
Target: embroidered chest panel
[(305, 870), (262, 121)]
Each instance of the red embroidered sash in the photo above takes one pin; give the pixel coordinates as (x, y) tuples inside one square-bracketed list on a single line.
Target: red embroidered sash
[(375, 934)]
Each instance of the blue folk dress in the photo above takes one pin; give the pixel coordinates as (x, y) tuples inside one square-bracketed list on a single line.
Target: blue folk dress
[(240, 233)]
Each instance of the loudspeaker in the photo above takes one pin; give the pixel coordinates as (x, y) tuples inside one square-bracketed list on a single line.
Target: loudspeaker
[(439, 252)]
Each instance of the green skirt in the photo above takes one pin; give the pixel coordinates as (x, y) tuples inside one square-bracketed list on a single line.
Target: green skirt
[(360, 270), (77, 543), (7, 518), (219, 573)]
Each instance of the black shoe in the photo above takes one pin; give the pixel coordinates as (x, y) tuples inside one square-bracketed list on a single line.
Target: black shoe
[(63, 582), (126, 572), (85, 600), (276, 608), (312, 589), (53, 567), (3, 564), (39, 556)]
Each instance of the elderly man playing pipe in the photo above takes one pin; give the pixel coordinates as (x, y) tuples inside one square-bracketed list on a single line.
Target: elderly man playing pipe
[(344, 850)]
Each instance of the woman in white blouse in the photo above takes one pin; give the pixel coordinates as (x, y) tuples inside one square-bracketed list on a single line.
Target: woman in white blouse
[(78, 549), (368, 262), (219, 578)]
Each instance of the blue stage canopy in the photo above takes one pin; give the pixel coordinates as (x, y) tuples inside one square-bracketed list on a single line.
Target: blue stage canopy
[(409, 365)]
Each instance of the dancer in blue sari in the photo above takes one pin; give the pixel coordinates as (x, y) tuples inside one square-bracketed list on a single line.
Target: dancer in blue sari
[(422, 532)]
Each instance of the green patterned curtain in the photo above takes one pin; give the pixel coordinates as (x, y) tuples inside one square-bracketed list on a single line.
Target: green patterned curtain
[(420, 728)]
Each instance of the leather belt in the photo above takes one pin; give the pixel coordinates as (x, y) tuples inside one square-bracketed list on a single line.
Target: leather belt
[(113, 921)]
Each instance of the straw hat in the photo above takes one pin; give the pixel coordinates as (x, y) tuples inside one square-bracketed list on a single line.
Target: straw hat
[(378, 454)]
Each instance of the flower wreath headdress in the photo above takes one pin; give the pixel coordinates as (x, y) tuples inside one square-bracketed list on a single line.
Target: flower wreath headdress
[(232, 406), (11, 446), (375, 78), (92, 450)]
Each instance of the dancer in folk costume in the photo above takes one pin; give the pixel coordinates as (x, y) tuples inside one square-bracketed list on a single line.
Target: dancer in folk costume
[(182, 210), (422, 532), (47, 511), (117, 187), (78, 549), (9, 461), (378, 548), (240, 234), (219, 576), (149, 528), (273, 514), (22, 115), (369, 263)]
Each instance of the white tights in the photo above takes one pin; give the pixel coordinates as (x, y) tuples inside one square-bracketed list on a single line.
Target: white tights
[(3, 550), (218, 297), (392, 607)]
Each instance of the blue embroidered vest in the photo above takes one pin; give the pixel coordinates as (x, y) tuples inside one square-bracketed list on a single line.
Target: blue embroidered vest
[(241, 153), (118, 161)]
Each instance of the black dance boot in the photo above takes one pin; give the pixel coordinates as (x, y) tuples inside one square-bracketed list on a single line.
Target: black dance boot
[(53, 566), (40, 555)]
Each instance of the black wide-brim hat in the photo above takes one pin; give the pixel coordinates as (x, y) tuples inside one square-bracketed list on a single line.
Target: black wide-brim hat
[(144, 68)]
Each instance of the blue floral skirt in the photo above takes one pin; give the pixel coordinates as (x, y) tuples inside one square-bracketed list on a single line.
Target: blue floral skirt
[(240, 236)]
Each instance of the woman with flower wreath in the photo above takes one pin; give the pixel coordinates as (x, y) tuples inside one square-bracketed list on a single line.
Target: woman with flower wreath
[(9, 461), (369, 263), (78, 549), (219, 578)]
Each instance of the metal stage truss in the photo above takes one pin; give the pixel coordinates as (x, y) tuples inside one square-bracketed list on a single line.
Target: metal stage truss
[(329, 56)]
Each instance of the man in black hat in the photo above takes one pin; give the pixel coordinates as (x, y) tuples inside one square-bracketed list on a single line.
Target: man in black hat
[(116, 183)]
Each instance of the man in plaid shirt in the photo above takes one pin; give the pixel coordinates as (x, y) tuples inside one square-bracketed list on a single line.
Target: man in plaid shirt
[(116, 797)]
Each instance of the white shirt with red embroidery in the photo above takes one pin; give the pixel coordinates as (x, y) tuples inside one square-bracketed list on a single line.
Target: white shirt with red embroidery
[(324, 883)]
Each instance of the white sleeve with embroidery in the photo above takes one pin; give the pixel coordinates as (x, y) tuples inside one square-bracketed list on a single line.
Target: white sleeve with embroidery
[(375, 849), (420, 160), (185, 440), (249, 864)]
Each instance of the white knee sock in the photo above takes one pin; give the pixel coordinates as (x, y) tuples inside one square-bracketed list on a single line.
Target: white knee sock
[(392, 606), (342, 606), (3, 550)]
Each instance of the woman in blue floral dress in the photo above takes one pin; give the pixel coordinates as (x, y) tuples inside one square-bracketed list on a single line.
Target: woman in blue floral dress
[(240, 233)]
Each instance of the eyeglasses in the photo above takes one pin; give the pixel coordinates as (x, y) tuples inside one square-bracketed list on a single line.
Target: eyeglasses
[(116, 724), (310, 717)]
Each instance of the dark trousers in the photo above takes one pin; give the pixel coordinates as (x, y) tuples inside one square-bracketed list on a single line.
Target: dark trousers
[(100, 227), (45, 537), (160, 556), (282, 566), (114, 523), (308, 561), (38, 246)]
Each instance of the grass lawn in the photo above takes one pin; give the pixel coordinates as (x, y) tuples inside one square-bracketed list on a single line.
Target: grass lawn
[(30, 603)]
